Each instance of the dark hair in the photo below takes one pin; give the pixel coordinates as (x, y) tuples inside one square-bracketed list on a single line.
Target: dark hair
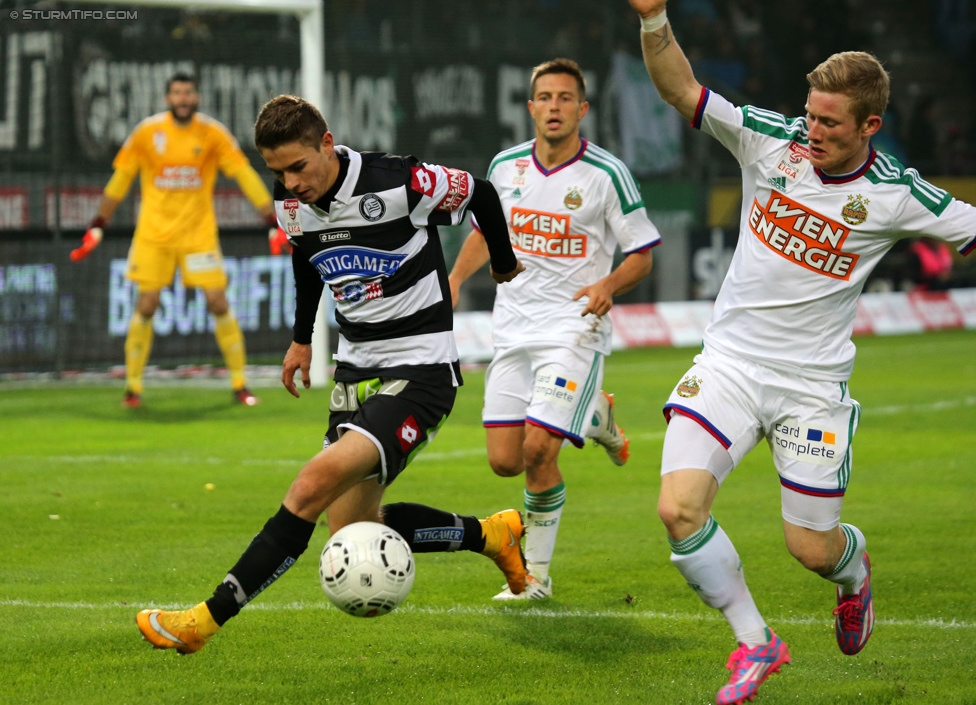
[(858, 75), (566, 66), (181, 77), (289, 118)]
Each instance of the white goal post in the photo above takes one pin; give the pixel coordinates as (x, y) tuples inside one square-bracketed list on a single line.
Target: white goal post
[(311, 20)]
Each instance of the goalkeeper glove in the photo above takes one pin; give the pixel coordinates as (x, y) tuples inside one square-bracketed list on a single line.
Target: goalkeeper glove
[(277, 239), (90, 241)]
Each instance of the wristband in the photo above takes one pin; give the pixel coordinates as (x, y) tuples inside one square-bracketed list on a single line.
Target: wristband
[(652, 24)]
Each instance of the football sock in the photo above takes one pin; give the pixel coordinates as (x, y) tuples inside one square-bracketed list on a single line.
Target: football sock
[(430, 530), (273, 551), (138, 344), (709, 563), (230, 340), (850, 572), (543, 511)]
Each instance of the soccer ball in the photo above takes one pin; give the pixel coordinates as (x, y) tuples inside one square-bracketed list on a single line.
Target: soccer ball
[(366, 569)]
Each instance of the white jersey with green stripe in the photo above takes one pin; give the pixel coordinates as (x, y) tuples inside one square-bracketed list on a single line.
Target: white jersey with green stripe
[(565, 224), (808, 240)]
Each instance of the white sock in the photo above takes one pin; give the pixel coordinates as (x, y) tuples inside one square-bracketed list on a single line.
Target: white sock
[(709, 563), (850, 573), (543, 511)]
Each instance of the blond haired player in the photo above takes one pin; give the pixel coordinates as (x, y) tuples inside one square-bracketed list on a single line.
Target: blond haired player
[(569, 205), (820, 208), (177, 154)]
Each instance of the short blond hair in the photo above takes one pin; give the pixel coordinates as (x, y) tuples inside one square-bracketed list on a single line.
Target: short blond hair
[(858, 75)]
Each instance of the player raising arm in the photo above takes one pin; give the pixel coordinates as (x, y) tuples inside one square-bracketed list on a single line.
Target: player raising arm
[(820, 208)]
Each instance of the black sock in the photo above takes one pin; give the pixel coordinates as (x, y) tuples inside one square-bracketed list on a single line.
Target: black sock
[(430, 530), (273, 551)]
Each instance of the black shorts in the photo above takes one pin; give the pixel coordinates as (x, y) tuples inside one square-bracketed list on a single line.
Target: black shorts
[(398, 415)]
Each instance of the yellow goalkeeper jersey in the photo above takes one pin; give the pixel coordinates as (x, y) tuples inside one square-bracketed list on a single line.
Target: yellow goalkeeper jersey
[(177, 165)]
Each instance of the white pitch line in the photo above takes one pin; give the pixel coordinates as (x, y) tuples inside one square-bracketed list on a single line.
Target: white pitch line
[(932, 406), (496, 612)]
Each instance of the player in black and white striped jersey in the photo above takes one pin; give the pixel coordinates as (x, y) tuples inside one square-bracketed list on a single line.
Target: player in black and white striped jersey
[(365, 225)]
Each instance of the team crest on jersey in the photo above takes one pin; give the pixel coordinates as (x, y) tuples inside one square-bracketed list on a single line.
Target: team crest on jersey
[(574, 199), (689, 387), (371, 207), (293, 226), (856, 210), (159, 141)]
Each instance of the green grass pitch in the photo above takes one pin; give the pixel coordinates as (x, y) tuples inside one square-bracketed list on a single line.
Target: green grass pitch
[(106, 511)]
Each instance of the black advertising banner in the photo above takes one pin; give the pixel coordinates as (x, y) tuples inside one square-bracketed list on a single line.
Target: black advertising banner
[(86, 306)]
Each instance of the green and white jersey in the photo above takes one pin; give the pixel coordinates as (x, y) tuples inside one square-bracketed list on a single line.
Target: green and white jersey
[(807, 240), (565, 224)]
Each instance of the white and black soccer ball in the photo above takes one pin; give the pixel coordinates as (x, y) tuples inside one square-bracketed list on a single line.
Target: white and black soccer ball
[(366, 569)]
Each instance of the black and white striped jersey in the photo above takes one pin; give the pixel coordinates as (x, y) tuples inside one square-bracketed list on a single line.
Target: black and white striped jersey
[(377, 249)]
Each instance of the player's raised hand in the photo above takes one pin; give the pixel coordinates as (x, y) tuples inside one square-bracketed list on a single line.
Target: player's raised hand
[(648, 8), (599, 295), (508, 276), (90, 241), (298, 357)]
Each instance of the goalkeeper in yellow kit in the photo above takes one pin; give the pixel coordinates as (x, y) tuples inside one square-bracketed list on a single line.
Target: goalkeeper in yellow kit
[(176, 155)]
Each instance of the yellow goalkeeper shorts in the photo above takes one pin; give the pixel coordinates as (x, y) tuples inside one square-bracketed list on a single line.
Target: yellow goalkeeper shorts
[(153, 266)]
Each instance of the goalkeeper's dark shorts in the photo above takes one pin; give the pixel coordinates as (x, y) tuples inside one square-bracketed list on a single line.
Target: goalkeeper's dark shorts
[(399, 416)]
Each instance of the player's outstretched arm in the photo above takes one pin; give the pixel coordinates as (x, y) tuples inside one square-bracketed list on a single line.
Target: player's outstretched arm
[(472, 257), (635, 267), (665, 62)]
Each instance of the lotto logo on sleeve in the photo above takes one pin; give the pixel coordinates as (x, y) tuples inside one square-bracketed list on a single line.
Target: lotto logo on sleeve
[(423, 180), (458, 190), (807, 239), (408, 434), (545, 234)]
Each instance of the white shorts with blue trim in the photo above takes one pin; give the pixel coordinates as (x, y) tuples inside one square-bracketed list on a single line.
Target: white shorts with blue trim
[(808, 424), (553, 387)]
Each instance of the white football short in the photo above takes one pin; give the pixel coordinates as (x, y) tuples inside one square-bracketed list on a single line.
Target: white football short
[(808, 424), (548, 386)]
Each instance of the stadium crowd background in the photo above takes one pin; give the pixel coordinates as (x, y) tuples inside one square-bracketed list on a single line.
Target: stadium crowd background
[(445, 81)]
